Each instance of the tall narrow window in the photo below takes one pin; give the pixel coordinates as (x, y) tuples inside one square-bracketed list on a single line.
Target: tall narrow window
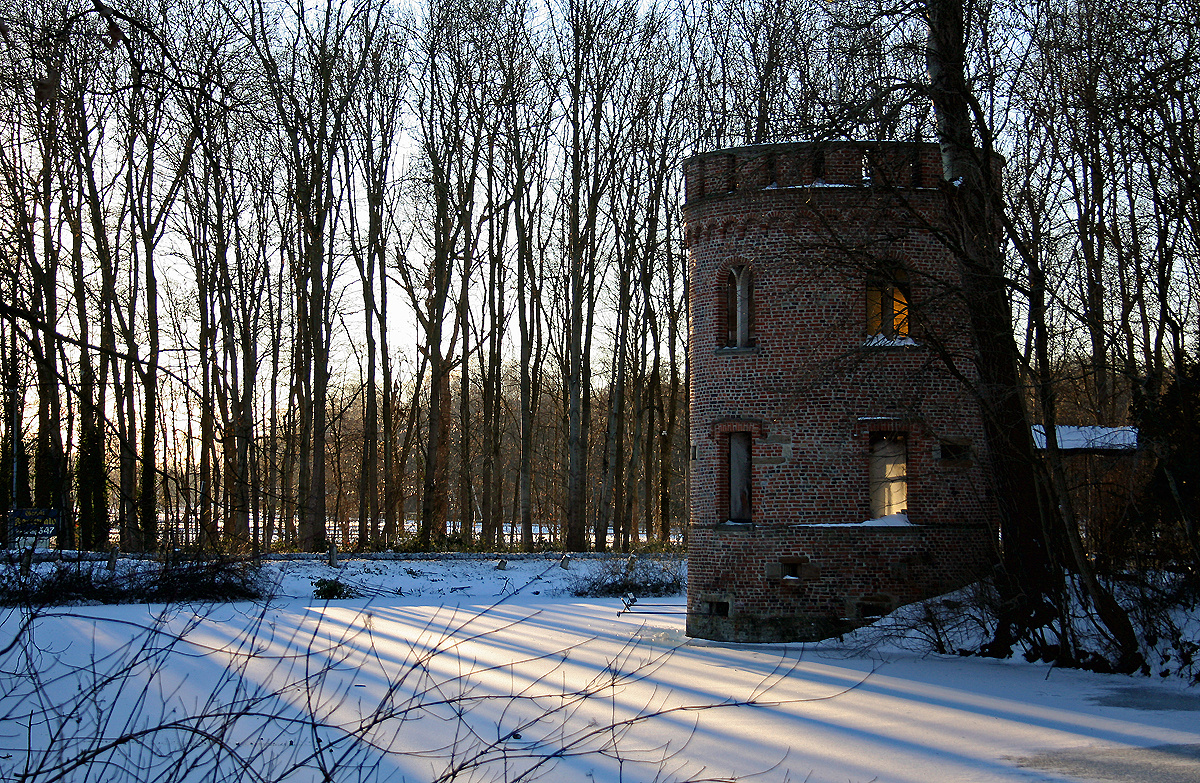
[(739, 477), (739, 302), (887, 305), (888, 471)]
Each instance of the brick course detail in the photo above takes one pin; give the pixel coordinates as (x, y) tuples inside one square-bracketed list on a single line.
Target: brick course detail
[(816, 224)]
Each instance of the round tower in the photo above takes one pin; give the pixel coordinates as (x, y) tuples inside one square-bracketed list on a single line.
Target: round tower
[(837, 450)]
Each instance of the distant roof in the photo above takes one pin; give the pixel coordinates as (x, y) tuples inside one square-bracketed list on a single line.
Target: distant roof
[(1072, 438)]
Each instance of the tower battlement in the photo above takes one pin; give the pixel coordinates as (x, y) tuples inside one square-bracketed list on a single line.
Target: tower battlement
[(833, 163)]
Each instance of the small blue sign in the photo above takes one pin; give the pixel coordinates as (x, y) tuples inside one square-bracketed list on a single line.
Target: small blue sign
[(33, 522)]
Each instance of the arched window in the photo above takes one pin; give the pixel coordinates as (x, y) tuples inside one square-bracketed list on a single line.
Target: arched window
[(739, 306), (887, 304)]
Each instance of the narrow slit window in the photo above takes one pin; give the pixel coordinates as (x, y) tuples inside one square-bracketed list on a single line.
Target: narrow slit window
[(739, 304), (888, 471), (739, 477)]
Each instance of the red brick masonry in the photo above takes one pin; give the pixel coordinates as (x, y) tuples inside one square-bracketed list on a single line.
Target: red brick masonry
[(816, 224)]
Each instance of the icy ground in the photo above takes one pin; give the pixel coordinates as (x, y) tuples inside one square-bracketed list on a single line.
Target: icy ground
[(454, 670)]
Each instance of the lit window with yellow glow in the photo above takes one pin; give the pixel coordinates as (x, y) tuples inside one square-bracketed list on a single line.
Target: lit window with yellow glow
[(888, 473), (887, 306)]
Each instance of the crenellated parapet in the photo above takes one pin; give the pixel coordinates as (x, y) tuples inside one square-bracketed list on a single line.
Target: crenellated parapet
[(812, 164)]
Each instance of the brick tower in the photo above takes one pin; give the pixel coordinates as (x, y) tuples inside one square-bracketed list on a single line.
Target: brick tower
[(836, 447)]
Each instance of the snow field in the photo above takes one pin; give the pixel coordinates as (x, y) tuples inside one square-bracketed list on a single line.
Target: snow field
[(466, 674)]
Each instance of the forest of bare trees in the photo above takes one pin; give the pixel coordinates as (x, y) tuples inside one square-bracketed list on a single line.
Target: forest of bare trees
[(276, 274)]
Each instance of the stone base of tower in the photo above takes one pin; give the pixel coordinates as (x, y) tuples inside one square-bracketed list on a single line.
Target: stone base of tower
[(794, 583)]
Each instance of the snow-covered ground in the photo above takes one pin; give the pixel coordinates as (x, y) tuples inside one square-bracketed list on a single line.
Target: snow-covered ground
[(454, 669)]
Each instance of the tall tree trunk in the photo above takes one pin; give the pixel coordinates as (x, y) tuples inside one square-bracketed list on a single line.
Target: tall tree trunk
[(209, 535), (1031, 572), (91, 474), (466, 506), (49, 457), (973, 195), (147, 496)]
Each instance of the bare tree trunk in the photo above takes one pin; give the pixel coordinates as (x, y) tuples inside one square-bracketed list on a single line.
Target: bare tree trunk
[(973, 195), (410, 438), (49, 458), (312, 78), (526, 140), (466, 508), (613, 461), (976, 211), (209, 534), (670, 450), (388, 435), (92, 481), (491, 366), (579, 246)]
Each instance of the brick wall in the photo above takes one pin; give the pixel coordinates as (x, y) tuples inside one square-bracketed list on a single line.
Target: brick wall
[(814, 223)]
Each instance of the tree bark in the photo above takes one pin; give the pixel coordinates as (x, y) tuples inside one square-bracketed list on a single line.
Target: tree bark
[(973, 194)]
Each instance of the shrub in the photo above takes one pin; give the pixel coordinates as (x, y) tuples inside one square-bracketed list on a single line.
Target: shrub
[(215, 579), (1165, 612), (658, 547), (60, 583), (640, 576), (65, 583), (1162, 607), (332, 589), (958, 623), (410, 542)]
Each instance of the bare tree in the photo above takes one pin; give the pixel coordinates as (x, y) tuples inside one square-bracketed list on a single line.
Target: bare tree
[(598, 46), (976, 204), (313, 67), (371, 155), (454, 107), (526, 117)]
